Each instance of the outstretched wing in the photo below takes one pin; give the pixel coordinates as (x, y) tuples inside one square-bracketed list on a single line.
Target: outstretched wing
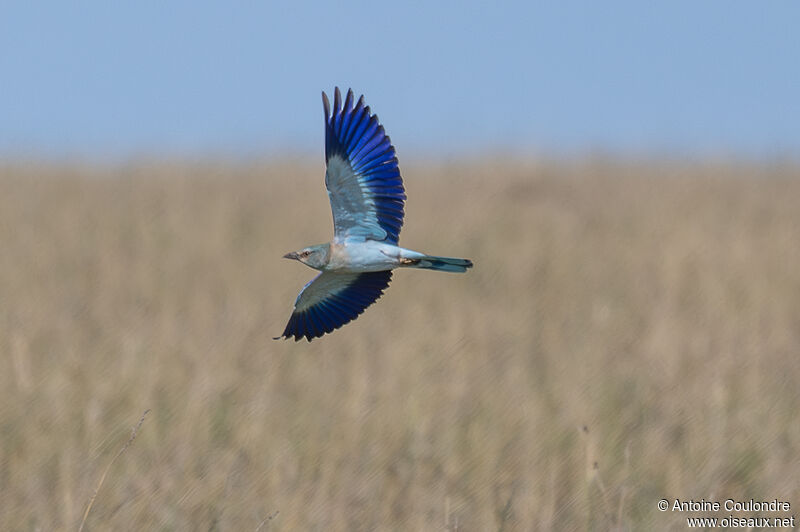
[(363, 179), (332, 299)]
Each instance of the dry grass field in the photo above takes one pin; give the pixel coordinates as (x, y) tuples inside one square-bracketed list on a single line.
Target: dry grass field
[(630, 332)]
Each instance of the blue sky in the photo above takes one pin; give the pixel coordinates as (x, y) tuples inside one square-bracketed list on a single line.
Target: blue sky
[(113, 79)]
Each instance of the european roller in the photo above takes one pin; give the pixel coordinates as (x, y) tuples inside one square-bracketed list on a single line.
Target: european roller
[(367, 196)]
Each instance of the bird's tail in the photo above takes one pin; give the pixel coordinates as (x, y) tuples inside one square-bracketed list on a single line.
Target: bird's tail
[(442, 264)]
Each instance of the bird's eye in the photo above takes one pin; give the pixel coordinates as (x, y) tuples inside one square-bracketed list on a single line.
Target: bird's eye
[(306, 253)]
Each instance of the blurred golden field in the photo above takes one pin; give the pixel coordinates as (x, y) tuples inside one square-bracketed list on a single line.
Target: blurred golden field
[(630, 332)]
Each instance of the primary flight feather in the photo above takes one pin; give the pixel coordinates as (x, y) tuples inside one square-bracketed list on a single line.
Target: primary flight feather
[(367, 197)]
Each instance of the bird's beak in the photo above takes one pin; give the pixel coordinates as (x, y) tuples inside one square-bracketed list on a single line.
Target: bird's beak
[(291, 255)]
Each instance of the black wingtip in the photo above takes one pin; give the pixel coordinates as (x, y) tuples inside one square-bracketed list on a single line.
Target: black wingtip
[(348, 100), (337, 100), (326, 106)]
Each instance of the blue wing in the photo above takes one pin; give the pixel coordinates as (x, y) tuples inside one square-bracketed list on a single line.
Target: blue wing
[(362, 177), (332, 299)]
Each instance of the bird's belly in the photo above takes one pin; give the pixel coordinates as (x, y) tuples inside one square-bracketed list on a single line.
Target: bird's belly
[(364, 257)]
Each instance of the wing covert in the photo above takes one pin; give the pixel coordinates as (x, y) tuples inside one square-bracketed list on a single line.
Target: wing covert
[(362, 176), (331, 300)]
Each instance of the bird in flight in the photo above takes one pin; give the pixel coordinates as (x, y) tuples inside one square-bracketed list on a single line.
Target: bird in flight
[(366, 194)]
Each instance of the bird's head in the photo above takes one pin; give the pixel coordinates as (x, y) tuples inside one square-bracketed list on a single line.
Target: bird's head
[(313, 256)]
